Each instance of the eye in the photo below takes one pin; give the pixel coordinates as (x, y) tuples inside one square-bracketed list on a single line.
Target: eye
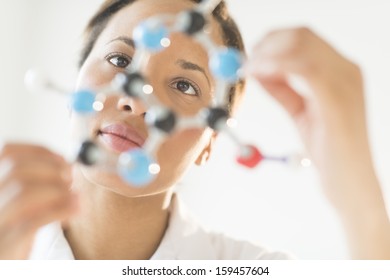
[(119, 60), (186, 87)]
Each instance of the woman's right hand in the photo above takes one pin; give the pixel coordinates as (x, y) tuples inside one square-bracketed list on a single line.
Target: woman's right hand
[(34, 191)]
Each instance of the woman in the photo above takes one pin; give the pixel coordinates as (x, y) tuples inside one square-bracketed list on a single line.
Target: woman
[(108, 219)]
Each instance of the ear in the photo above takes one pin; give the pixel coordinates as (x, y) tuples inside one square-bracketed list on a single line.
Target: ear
[(205, 154)]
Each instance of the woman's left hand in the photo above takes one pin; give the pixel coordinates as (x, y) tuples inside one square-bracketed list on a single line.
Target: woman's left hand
[(323, 93)]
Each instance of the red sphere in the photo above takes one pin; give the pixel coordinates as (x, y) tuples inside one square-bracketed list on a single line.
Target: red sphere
[(249, 156)]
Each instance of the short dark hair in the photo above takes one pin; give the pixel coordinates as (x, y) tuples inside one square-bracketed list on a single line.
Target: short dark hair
[(230, 33)]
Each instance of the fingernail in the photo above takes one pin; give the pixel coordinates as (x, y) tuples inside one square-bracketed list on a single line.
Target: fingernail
[(8, 193), (5, 168)]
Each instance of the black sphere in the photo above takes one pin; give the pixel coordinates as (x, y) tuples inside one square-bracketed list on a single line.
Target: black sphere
[(197, 22), (167, 123), (132, 80), (87, 152), (216, 116)]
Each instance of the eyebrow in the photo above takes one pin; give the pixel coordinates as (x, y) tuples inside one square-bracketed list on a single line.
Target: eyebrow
[(187, 65), (127, 40)]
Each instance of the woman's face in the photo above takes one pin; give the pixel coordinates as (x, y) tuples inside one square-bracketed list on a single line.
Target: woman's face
[(180, 78)]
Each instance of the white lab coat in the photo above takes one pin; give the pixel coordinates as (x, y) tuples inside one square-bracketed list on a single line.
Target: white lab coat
[(184, 239)]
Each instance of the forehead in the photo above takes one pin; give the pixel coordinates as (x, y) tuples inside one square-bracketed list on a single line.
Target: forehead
[(125, 20)]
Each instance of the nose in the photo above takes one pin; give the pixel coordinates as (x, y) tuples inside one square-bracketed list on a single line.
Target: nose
[(131, 105)]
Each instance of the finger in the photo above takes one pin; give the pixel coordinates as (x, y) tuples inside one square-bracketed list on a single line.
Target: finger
[(8, 193), (33, 170), (28, 203), (11, 150), (296, 52), (56, 212), (289, 47), (14, 190), (15, 242), (287, 97)]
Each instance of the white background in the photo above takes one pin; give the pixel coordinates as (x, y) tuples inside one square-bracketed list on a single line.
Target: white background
[(273, 205)]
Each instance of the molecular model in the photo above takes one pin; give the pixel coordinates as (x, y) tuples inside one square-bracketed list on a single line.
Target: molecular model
[(138, 166)]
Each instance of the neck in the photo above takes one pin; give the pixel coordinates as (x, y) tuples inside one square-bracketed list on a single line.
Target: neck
[(130, 228)]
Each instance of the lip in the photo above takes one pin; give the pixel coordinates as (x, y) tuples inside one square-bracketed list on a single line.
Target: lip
[(120, 137)]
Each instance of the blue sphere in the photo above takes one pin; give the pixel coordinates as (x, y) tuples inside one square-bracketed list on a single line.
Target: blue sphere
[(82, 101), (225, 64), (134, 167), (149, 34)]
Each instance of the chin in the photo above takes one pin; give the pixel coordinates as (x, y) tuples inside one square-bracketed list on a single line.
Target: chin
[(98, 178)]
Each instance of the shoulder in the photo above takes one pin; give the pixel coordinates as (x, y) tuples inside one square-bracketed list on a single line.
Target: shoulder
[(229, 248), (186, 238)]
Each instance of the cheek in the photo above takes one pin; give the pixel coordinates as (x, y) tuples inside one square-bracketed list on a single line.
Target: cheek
[(180, 150), (94, 74)]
